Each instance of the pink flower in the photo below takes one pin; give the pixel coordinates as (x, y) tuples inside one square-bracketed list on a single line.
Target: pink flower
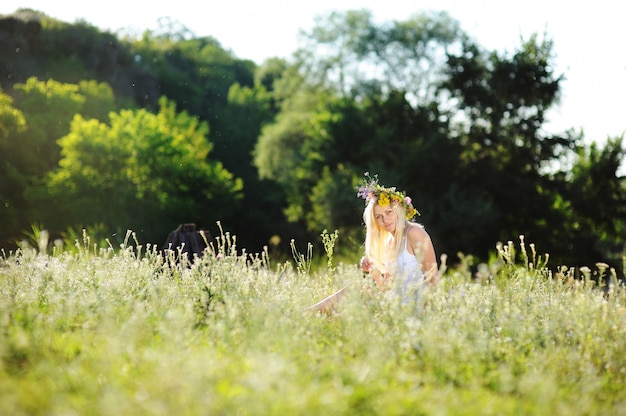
[(407, 200)]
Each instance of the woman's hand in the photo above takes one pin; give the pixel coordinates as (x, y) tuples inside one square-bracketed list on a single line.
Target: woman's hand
[(381, 279), (365, 264)]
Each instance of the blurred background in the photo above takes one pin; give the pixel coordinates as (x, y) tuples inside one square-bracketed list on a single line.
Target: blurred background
[(498, 121)]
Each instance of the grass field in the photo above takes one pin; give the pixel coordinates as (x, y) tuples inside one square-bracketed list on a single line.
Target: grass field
[(124, 331)]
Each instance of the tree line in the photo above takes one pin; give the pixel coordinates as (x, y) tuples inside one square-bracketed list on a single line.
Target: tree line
[(112, 132)]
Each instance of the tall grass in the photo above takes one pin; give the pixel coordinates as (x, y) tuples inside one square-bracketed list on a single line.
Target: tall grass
[(128, 330)]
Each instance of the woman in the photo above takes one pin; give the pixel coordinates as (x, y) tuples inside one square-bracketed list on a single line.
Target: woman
[(399, 254)]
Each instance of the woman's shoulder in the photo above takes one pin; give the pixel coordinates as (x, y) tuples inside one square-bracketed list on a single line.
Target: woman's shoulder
[(416, 232)]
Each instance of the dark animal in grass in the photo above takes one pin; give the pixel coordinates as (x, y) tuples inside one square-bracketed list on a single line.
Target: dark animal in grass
[(187, 240)]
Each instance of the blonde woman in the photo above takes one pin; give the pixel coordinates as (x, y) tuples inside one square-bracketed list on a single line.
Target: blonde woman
[(399, 254)]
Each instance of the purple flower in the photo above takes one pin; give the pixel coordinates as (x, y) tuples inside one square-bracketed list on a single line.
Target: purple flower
[(363, 192)]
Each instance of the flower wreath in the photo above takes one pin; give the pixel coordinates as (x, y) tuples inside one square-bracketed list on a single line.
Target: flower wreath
[(371, 189)]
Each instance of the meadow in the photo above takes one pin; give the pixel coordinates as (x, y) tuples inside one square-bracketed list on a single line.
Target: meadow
[(130, 330)]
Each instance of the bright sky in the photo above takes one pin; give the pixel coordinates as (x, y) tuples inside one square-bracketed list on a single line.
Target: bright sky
[(589, 37)]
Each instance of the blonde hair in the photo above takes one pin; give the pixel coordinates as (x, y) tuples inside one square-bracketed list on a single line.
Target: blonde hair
[(382, 248)]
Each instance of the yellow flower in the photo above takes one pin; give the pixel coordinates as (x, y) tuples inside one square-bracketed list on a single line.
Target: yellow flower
[(386, 196), (383, 199)]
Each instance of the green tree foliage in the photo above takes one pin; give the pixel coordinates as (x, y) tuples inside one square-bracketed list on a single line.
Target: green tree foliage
[(12, 153), (357, 57), (505, 100), (48, 107), (341, 119), (12, 122), (506, 155), (18, 32), (31, 151), (459, 128), (196, 73), (209, 82), (292, 151), (595, 203), (37, 45), (99, 99), (416, 101), (143, 171), (248, 109)]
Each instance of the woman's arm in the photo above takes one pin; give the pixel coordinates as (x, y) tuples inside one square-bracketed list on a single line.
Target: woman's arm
[(327, 305), (423, 249)]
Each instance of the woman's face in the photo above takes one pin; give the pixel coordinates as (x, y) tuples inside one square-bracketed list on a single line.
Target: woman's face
[(385, 217)]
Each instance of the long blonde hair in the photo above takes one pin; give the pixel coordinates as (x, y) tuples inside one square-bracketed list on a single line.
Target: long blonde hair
[(382, 248)]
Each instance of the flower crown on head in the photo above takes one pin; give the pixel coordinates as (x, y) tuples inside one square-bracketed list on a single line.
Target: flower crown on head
[(371, 189)]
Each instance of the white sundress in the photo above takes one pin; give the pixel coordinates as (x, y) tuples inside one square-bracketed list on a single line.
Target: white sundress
[(409, 275)]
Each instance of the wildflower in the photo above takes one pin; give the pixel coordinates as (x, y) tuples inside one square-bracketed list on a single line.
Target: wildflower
[(385, 196)]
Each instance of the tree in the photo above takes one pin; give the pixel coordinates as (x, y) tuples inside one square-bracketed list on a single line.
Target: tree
[(33, 44), (595, 200), (356, 57), (48, 107), (195, 72), (506, 156), (42, 114), (291, 151), (248, 109), (99, 99), (12, 180), (143, 171), (467, 144), (340, 118)]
